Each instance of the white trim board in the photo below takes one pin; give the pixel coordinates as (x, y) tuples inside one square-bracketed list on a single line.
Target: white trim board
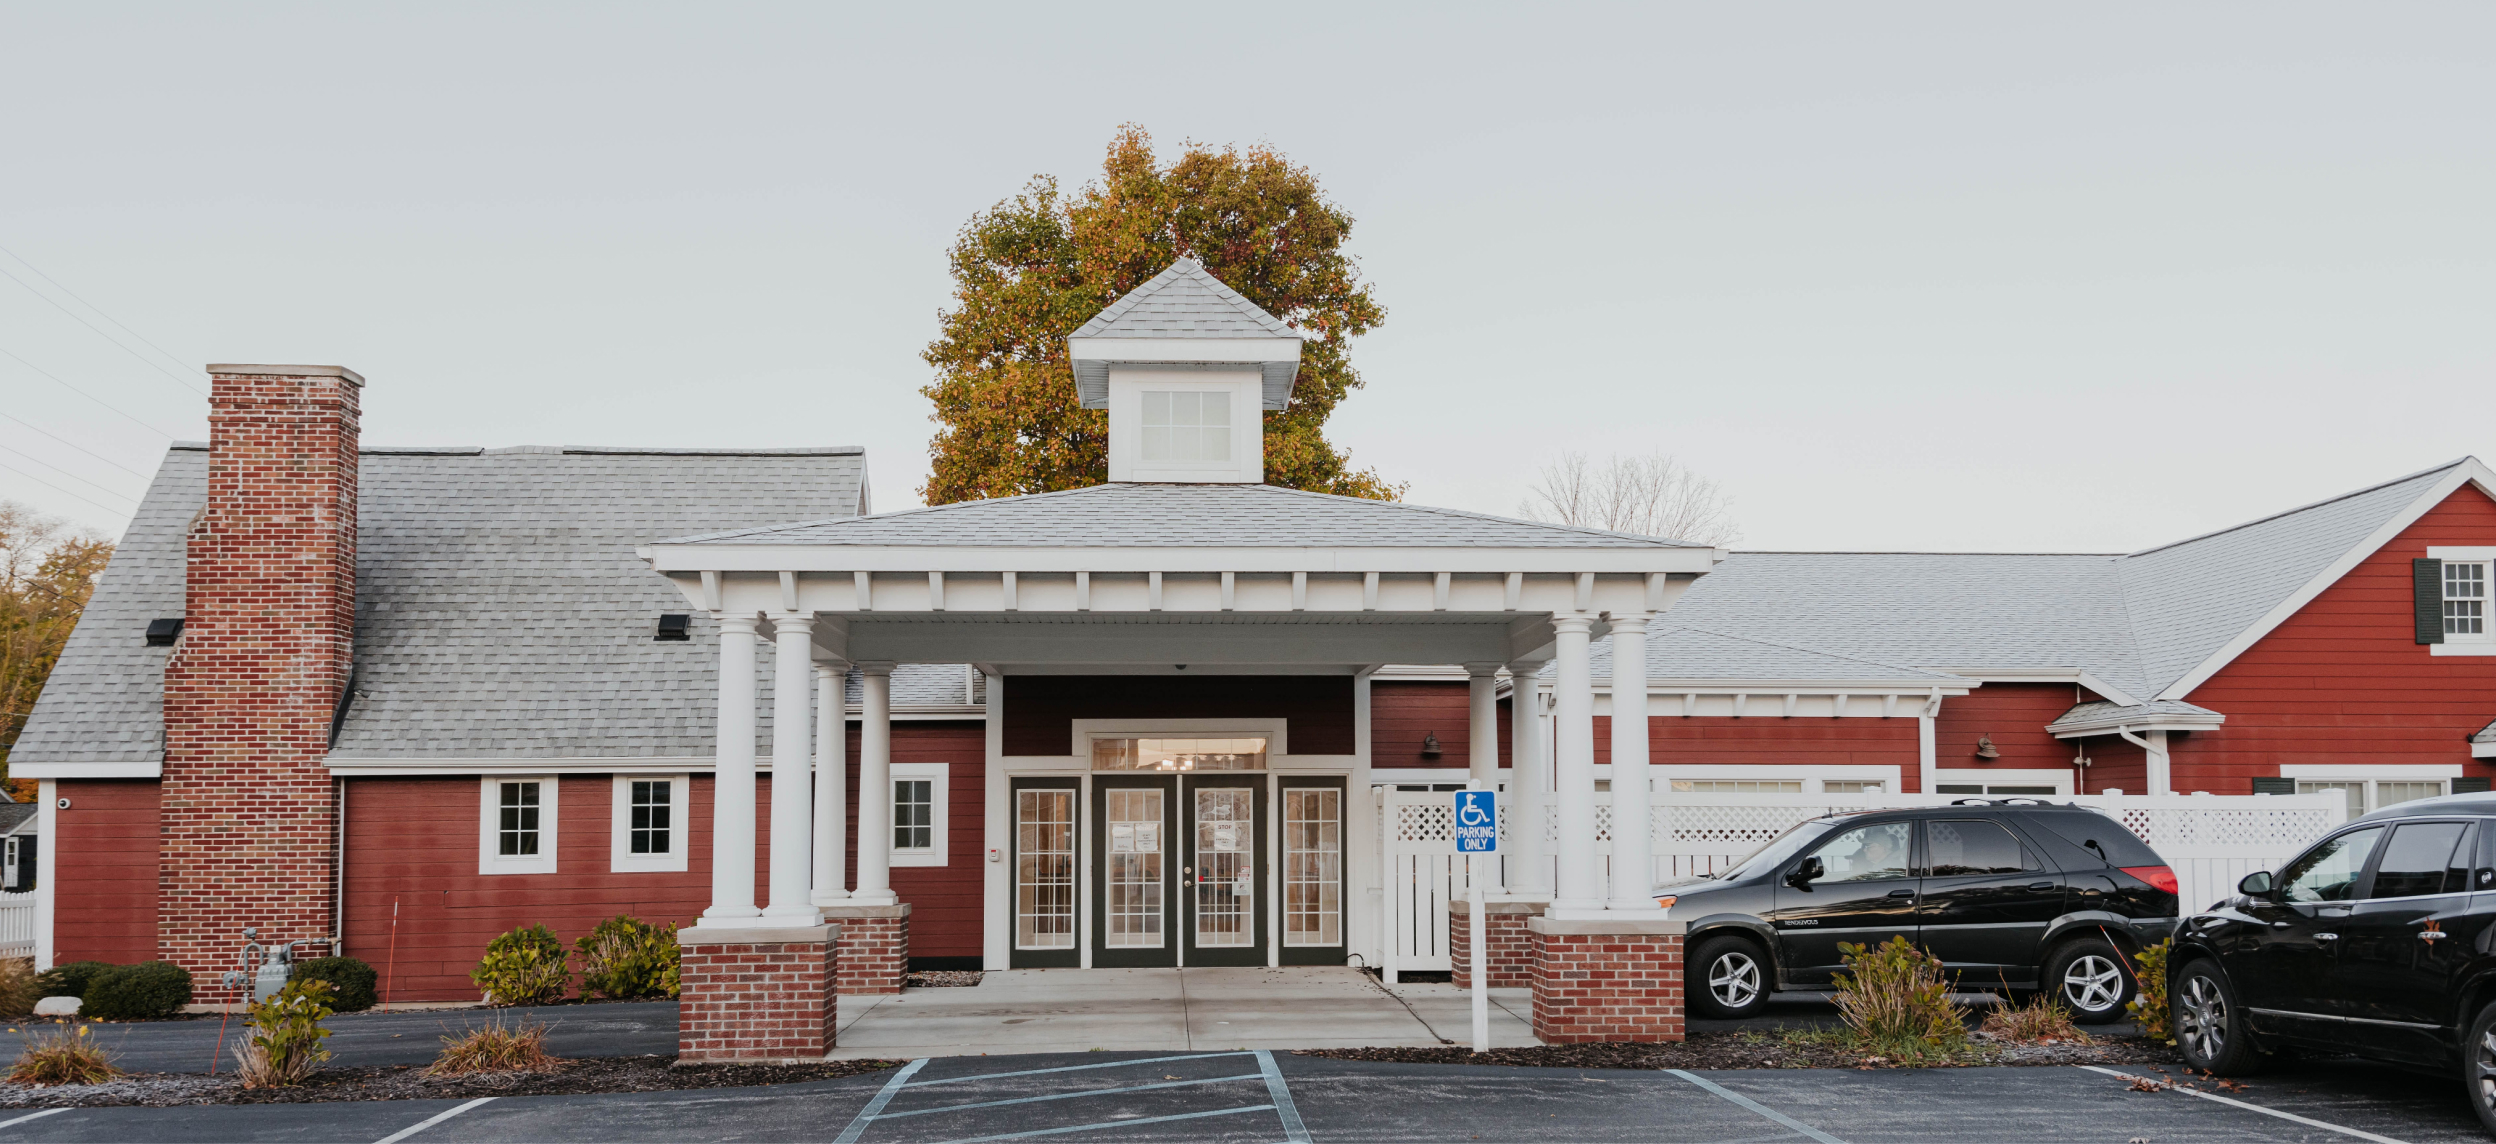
[(2394, 771)]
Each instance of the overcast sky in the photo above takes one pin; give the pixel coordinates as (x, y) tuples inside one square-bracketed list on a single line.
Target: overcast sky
[(1899, 276)]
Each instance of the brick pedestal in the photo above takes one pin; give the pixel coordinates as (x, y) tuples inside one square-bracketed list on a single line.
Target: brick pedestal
[(1606, 980), (1510, 959), (875, 947), (756, 996)]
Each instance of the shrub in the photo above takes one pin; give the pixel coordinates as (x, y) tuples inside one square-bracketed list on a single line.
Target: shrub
[(69, 980), (626, 957), (62, 1057), (141, 992), (1896, 1002), (17, 987), (352, 978), (494, 1048), (524, 967), (2043, 1018), (2149, 1002), (284, 1035)]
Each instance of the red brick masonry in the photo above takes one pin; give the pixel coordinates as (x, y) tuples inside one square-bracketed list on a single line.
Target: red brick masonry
[(756, 1001), (1606, 981), (875, 947), (1503, 931)]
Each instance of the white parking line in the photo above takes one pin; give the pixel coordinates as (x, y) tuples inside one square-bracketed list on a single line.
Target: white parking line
[(32, 1116), (883, 1096), (1294, 1132), (1755, 1106), (429, 1122), (2308, 1121)]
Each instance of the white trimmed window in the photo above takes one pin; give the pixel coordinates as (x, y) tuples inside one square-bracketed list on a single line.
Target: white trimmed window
[(919, 800), (516, 825), (2365, 795), (1187, 425), (2465, 601), (648, 825), (1740, 786)]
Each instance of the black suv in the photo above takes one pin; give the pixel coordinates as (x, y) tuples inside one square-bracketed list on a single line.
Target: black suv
[(2015, 895), (2374, 941)]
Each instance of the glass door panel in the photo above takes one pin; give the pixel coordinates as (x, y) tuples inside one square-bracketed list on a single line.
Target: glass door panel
[(1312, 868), (1044, 876), (1131, 869), (1225, 875)]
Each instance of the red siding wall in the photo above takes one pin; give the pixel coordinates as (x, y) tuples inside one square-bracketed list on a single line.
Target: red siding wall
[(2014, 716), (1039, 709), (1400, 713), (2342, 680), (945, 901), (1801, 742), (103, 873)]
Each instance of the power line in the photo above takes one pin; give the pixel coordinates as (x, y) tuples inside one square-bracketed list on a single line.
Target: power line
[(56, 488), (99, 311), (108, 489), (73, 445), (85, 394)]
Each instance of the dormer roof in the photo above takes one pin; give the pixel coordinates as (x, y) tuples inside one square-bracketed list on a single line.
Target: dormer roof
[(1184, 317)]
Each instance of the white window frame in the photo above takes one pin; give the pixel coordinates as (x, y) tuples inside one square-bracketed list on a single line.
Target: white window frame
[(490, 860), (2365, 777), (1812, 777), (621, 858), (938, 776), (2483, 643), (2058, 777)]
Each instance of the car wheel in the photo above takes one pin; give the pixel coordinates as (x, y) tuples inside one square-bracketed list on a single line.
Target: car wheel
[(2478, 1066), (2209, 1026), (1728, 978), (2090, 978)]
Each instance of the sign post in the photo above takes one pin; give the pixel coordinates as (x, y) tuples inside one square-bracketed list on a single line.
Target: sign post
[(1477, 832)]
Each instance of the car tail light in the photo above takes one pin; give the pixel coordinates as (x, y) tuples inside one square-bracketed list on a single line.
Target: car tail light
[(2159, 877)]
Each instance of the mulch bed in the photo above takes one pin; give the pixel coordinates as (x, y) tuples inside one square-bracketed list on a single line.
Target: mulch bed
[(579, 1075), (942, 978), (1749, 1050)]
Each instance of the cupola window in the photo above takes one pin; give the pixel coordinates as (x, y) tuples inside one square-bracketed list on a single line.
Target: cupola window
[(1187, 425)]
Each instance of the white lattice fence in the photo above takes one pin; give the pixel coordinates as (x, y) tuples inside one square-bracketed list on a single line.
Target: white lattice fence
[(2210, 840)]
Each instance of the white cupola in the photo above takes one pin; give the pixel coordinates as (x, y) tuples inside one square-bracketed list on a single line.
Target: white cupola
[(1186, 368)]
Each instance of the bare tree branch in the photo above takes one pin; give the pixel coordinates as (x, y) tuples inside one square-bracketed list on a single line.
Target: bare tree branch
[(1651, 495)]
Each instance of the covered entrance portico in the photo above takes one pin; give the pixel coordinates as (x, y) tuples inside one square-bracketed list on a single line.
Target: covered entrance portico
[(1177, 666)]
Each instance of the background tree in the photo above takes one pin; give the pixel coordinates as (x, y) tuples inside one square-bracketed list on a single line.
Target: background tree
[(1651, 495), (1031, 269), (46, 575)]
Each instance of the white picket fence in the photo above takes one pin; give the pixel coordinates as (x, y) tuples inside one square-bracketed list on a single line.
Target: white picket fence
[(17, 925), (2210, 840)]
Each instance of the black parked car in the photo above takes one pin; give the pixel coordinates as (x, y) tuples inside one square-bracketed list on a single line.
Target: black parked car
[(2014, 895), (2374, 941)]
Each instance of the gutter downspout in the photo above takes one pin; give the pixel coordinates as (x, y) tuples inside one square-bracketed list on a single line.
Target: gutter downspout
[(1925, 751)]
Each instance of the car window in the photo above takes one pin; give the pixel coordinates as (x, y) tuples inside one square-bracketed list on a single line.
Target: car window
[(2328, 873), (1866, 853), (2423, 858), (1780, 848), (1972, 846)]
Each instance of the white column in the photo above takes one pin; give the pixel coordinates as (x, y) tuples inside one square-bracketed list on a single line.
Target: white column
[(732, 783), (2160, 780), (1482, 707), (875, 787), (792, 771), (1925, 752), (1529, 780), (831, 882), (1633, 840), (1581, 888)]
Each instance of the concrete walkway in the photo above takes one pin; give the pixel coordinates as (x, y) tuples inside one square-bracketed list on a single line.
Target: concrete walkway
[(1182, 1010)]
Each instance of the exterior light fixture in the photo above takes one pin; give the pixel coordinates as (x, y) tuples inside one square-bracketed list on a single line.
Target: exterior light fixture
[(1985, 748), (1430, 745)]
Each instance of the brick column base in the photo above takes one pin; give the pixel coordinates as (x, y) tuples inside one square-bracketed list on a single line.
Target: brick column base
[(1606, 981), (1511, 948), (875, 947), (756, 996)]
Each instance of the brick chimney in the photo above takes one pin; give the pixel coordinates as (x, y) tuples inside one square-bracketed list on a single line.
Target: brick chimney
[(267, 646)]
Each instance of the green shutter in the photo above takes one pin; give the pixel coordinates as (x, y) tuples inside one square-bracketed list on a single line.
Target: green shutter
[(2427, 579), (2274, 786), (2470, 786)]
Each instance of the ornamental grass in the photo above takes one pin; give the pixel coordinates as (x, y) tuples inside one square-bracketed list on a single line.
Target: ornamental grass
[(62, 1056)]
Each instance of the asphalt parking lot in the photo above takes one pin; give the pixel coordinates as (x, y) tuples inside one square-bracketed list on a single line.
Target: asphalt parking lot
[(1248, 1096)]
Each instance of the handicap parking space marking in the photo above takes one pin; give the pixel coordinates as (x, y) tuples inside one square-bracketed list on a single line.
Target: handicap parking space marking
[(1755, 1106), (2308, 1121), (1277, 1091)]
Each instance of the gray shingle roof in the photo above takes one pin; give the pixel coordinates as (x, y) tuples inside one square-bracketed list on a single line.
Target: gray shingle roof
[(1185, 516), (1184, 301), (1695, 653), (2485, 734), (2098, 713), (105, 699)]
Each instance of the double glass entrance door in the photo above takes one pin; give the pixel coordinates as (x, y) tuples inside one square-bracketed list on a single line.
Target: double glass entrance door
[(1181, 870)]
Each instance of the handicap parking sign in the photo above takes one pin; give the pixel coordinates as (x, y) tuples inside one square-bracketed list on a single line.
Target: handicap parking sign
[(1477, 822)]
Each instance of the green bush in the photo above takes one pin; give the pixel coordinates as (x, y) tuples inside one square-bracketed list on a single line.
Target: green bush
[(141, 992), (1896, 1002), (527, 966), (351, 978), (626, 957), (68, 980), (285, 1041), (2149, 1002)]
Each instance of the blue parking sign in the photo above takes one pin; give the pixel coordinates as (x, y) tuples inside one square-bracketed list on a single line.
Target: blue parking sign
[(1477, 822)]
